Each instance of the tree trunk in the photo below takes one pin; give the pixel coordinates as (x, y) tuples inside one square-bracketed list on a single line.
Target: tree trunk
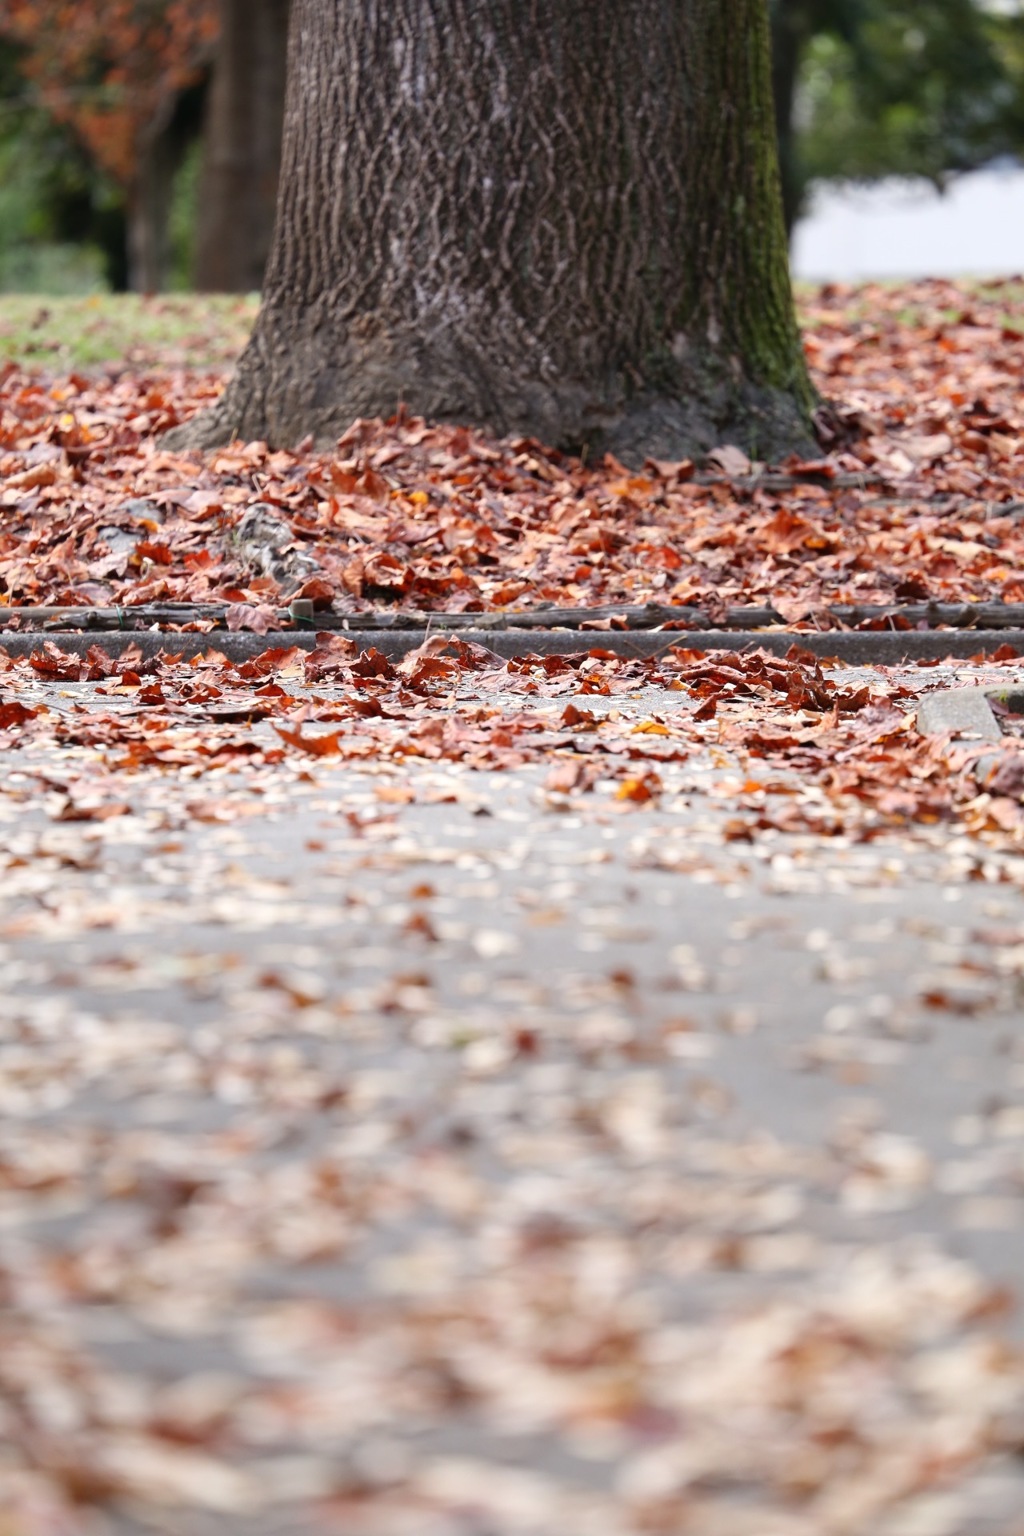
[(149, 206), (242, 148), (790, 31), (552, 217)]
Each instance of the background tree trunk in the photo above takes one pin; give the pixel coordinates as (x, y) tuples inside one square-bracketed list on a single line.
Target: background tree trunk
[(790, 32), (553, 217), (242, 146), (148, 209)]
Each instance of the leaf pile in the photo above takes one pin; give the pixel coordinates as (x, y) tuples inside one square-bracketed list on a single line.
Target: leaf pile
[(920, 498)]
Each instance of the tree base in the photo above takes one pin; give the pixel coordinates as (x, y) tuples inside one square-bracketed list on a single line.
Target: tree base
[(275, 399), (767, 424)]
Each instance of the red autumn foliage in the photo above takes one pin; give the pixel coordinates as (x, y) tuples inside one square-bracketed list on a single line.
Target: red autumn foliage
[(109, 68)]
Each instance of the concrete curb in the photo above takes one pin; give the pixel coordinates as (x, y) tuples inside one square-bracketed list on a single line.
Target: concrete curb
[(858, 648)]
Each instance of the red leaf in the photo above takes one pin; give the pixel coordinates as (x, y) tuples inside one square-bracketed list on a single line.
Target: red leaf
[(316, 746)]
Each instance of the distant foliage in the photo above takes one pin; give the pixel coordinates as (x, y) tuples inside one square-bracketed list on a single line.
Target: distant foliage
[(923, 88), (872, 88), (110, 69)]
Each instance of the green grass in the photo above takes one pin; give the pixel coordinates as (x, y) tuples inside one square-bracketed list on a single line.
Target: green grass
[(207, 332), (52, 268), (57, 334)]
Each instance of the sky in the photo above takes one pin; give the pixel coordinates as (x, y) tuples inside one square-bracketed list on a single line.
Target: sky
[(907, 229)]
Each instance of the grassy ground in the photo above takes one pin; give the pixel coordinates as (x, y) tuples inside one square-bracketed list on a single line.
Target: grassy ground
[(205, 331), (1005, 293), (170, 331)]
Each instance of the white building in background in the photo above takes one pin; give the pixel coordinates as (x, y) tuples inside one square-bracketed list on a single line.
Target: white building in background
[(903, 228)]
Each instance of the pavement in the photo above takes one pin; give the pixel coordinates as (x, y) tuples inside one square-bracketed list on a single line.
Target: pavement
[(407, 1147)]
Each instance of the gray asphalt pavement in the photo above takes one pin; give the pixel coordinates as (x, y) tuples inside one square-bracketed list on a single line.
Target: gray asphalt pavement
[(419, 1148)]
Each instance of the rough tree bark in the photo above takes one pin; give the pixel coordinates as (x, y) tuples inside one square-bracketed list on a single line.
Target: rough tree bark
[(552, 217), (242, 146)]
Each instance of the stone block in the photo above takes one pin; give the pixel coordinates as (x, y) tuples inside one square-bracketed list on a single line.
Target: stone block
[(959, 711)]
